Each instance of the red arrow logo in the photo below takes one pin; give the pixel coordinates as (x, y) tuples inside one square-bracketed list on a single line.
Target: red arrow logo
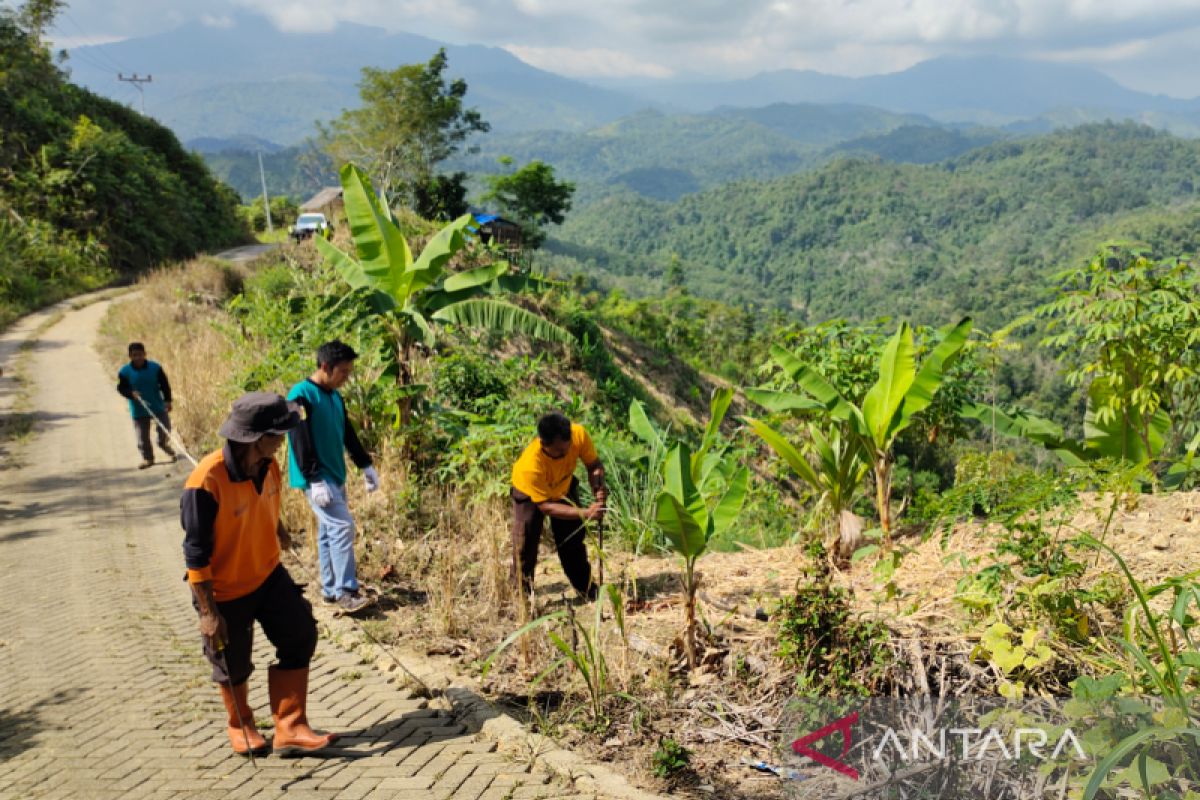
[(844, 726)]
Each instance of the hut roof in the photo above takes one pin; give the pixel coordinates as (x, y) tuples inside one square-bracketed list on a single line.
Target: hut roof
[(321, 199)]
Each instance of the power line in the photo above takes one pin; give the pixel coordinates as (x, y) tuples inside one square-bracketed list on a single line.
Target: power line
[(117, 66), (81, 56)]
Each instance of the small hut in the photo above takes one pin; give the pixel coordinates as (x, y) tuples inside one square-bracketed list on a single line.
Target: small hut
[(328, 201), (493, 227)]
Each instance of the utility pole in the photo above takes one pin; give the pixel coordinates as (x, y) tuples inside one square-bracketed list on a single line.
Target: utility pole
[(266, 200), (137, 84)]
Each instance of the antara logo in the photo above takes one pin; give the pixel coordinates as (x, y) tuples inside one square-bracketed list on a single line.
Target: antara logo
[(988, 743), (844, 726)]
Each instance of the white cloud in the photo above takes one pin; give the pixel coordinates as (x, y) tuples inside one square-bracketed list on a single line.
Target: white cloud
[(217, 21), (727, 38)]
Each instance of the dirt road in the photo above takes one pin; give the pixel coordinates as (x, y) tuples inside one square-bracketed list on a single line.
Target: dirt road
[(103, 693)]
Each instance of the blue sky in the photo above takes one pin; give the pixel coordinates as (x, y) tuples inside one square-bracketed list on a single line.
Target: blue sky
[(1148, 45)]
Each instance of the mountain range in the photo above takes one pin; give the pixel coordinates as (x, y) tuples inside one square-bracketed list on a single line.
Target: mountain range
[(249, 79)]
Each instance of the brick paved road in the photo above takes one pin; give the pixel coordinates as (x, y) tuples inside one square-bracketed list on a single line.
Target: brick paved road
[(103, 693)]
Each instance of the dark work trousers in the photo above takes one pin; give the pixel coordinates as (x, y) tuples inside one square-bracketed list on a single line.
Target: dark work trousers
[(142, 426), (286, 618), (569, 537)]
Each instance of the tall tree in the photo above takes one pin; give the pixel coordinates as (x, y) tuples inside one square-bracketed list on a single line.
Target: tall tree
[(411, 120), (533, 196)]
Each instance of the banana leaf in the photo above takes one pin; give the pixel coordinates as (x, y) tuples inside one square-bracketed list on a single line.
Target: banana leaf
[(382, 251), (730, 505), (897, 370), (680, 527), (933, 371), (473, 279), (494, 315), (773, 400)]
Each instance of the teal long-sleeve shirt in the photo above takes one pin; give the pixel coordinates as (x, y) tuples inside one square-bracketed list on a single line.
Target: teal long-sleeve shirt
[(150, 382), (317, 446)]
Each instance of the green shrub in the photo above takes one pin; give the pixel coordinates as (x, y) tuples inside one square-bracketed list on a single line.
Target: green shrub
[(833, 651), (470, 382)]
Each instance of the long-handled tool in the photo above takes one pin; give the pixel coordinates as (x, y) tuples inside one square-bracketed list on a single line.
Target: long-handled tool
[(170, 433), (600, 551), (220, 648)]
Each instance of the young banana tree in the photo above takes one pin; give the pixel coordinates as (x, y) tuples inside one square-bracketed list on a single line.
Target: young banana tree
[(702, 495), (411, 295), (900, 392), (835, 475)]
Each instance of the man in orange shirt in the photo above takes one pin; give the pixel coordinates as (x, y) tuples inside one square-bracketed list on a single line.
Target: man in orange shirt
[(230, 515), (544, 485)]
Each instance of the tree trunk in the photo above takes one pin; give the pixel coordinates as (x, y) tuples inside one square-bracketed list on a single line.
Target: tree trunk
[(689, 632), (883, 494)]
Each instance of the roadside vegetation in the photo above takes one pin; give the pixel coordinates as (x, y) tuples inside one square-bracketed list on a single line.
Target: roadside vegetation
[(91, 192)]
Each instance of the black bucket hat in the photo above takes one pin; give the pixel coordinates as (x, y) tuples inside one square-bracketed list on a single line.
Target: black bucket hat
[(256, 414)]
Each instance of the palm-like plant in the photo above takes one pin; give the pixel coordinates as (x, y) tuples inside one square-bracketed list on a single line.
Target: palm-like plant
[(702, 496), (410, 295), (835, 474), (900, 392)]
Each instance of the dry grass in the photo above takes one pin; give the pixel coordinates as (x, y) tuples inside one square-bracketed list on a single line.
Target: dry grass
[(174, 313)]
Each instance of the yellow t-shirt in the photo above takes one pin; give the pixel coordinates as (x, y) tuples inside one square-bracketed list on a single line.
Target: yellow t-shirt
[(544, 478)]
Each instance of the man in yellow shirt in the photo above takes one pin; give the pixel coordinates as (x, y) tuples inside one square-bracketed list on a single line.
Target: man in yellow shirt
[(544, 485)]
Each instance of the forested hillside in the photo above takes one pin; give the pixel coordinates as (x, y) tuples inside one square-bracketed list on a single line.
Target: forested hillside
[(89, 189), (981, 234)]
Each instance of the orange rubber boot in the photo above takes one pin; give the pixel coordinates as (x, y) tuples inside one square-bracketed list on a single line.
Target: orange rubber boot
[(289, 699), (238, 699)]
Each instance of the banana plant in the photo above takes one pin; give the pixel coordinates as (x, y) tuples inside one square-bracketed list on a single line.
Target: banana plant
[(835, 474), (702, 495), (411, 295), (900, 392)]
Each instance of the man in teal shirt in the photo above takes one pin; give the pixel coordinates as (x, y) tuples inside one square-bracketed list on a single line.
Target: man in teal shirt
[(317, 465), (144, 383)]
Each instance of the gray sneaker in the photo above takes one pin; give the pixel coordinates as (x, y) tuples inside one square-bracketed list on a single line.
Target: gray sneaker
[(352, 603)]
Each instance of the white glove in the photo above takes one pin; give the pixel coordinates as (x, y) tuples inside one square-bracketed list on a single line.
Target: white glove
[(371, 477), (320, 493)]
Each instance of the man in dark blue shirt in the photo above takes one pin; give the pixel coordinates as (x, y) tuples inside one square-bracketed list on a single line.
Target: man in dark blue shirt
[(144, 383)]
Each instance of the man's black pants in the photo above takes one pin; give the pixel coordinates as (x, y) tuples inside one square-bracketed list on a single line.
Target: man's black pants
[(568, 540), (286, 618)]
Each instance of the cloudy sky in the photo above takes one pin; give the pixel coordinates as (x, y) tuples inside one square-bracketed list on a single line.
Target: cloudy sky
[(1150, 45)]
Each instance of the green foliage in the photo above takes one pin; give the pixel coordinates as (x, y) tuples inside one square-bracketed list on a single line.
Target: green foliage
[(89, 182), (283, 213), (635, 481), (1163, 656), (470, 382), (859, 239), (1034, 576), (40, 265), (411, 119), (702, 495), (293, 172), (833, 652), (669, 758), (888, 408), (533, 197), (411, 295), (1127, 326)]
